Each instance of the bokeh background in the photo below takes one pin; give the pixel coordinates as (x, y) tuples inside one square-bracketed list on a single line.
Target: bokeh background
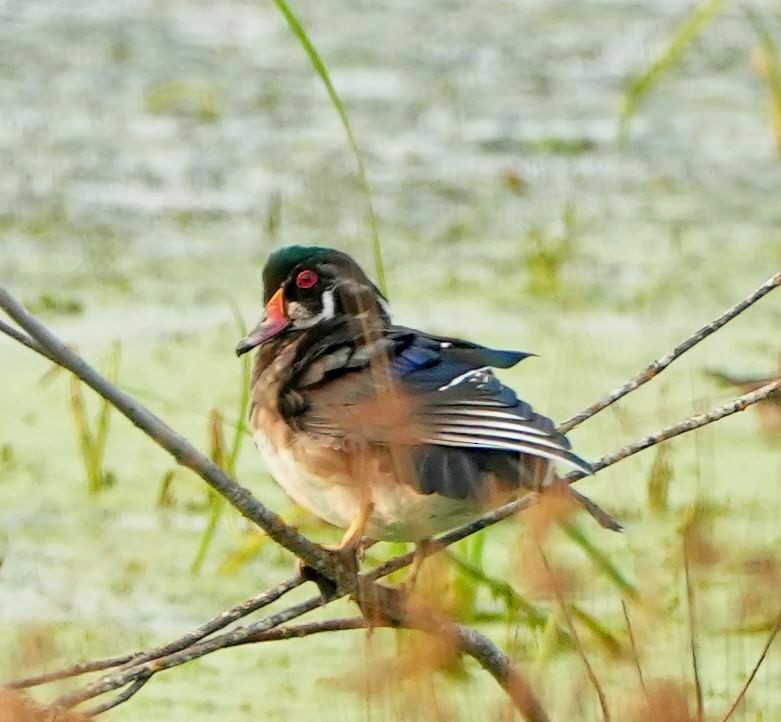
[(154, 153)]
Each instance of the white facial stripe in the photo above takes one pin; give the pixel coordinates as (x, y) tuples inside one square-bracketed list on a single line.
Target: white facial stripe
[(329, 307)]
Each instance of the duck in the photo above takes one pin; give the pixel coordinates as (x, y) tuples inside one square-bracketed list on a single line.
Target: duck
[(387, 432)]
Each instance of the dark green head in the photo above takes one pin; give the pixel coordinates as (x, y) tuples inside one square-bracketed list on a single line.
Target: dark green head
[(304, 286)]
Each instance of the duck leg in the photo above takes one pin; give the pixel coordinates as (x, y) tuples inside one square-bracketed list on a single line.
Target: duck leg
[(351, 541), (422, 549), (347, 550)]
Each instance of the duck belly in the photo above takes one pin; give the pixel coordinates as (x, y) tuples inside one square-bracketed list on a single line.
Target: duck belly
[(399, 513)]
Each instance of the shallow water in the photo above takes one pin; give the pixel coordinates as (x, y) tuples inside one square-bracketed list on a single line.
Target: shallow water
[(153, 154)]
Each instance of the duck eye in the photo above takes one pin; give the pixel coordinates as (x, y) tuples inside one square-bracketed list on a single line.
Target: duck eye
[(306, 279)]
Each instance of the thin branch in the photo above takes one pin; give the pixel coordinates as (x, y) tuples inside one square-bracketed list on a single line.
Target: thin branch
[(469, 642), (296, 631), (25, 340), (123, 696), (663, 362), (445, 540), (223, 619), (635, 653), (75, 670), (747, 684), (692, 620), (575, 638), (235, 637), (693, 422)]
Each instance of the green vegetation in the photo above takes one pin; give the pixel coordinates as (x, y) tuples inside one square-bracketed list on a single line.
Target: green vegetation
[(188, 98), (769, 66), (683, 36), (93, 441)]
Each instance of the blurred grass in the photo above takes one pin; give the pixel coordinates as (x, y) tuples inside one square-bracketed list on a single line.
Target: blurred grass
[(226, 458), (93, 441), (667, 60), (769, 67), (322, 71)]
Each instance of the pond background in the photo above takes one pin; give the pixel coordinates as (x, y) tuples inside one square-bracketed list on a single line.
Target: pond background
[(154, 153)]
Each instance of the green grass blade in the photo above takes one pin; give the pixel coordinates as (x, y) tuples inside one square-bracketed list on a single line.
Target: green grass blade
[(249, 548), (244, 394), (684, 35), (83, 433), (502, 590), (659, 479), (216, 502), (322, 71), (771, 71), (103, 423), (600, 559), (599, 630), (216, 507)]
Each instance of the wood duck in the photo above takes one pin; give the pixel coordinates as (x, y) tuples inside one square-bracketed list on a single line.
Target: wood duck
[(385, 431)]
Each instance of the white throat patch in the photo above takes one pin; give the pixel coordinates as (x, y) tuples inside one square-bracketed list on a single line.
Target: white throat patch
[(329, 307)]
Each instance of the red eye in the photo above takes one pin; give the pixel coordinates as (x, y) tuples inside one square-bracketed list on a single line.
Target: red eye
[(306, 279)]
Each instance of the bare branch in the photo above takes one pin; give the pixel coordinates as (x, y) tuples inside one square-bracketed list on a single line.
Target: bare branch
[(296, 631), (75, 670), (312, 555), (499, 666), (663, 362), (235, 637), (123, 696), (754, 671), (456, 534), (25, 340)]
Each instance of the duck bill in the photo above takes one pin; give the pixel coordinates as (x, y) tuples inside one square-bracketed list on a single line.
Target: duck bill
[(274, 323)]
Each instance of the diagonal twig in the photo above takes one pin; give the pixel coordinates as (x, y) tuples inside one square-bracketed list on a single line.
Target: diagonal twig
[(123, 696), (233, 638), (654, 368), (635, 653), (216, 623), (311, 554), (750, 679), (592, 675), (25, 340), (692, 621), (693, 422)]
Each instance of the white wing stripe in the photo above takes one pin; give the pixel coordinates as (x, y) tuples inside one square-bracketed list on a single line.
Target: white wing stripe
[(465, 377), (466, 442), (501, 417), (480, 433)]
